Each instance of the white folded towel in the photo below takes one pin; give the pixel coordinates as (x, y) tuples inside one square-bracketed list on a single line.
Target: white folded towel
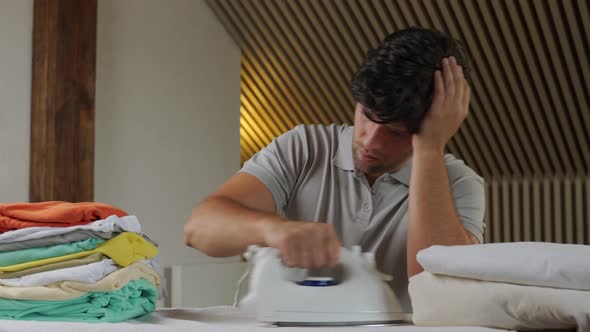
[(526, 263), (110, 224), (440, 300)]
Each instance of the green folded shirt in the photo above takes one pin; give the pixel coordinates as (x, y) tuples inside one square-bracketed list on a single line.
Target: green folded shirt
[(136, 298), (34, 254)]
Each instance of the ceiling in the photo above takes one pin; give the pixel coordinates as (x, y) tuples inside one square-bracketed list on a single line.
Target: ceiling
[(530, 101)]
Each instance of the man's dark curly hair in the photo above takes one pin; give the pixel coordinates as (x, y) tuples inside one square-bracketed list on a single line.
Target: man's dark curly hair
[(396, 80)]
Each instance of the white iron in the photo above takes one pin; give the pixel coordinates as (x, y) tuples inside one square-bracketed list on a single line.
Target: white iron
[(357, 295)]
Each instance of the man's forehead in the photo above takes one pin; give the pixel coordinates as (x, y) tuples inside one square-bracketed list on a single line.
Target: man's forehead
[(395, 125)]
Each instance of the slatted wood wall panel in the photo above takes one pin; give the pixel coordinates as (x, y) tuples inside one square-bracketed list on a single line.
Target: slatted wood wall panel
[(530, 107), (550, 209)]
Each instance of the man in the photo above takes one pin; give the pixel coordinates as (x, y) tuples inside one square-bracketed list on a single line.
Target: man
[(317, 188)]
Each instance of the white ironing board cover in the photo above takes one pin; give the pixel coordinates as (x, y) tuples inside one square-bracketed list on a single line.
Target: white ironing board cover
[(212, 319)]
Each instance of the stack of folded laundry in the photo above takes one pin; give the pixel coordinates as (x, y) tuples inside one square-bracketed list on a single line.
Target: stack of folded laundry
[(518, 285), (62, 261)]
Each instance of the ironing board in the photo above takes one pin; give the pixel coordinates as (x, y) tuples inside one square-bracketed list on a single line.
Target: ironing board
[(212, 319)]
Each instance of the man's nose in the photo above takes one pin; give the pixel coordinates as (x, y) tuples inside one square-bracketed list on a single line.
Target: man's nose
[(371, 137)]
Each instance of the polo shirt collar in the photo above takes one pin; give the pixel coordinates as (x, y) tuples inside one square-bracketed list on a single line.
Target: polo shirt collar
[(403, 174), (343, 158)]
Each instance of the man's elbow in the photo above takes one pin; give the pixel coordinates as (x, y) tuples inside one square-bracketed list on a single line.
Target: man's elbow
[(471, 238), (195, 236), (189, 233), (414, 268), (193, 232)]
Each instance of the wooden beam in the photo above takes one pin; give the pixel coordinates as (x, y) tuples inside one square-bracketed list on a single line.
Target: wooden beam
[(62, 100)]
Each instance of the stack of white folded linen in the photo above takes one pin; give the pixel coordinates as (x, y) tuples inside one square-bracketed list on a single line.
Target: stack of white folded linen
[(519, 285)]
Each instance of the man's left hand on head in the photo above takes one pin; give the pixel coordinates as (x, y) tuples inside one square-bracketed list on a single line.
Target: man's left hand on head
[(450, 106)]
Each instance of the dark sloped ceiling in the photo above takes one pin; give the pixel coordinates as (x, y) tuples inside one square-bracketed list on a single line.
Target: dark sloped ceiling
[(530, 103)]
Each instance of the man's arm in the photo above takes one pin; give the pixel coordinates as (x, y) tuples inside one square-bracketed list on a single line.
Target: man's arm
[(432, 215), (231, 218), (242, 213)]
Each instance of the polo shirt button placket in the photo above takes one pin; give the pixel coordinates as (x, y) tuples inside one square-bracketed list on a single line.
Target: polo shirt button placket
[(364, 215)]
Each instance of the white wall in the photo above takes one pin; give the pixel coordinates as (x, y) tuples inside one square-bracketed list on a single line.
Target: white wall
[(167, 113), (16, 28)]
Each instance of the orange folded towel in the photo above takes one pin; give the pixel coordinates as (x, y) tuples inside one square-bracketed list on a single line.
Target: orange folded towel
[(54, 213)]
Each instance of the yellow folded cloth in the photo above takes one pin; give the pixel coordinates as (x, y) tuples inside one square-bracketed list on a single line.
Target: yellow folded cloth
[(54, 266), (124, 249), (65, 290)]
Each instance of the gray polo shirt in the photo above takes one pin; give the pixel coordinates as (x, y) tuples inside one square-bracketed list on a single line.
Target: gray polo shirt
[(311, 175)]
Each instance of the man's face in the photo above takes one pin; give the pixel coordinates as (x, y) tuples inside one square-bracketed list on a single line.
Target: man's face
[(379, 148)]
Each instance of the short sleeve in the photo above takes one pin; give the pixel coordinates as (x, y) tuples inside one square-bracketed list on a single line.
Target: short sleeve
[(469, 197), (278, 165)]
